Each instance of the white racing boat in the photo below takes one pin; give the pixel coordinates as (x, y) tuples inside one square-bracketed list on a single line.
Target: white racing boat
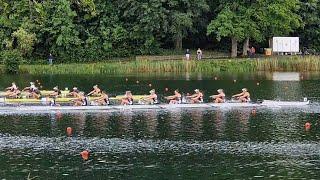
[(265, 103)]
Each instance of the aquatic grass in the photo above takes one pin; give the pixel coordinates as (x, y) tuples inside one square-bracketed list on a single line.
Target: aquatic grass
[(294, 63)]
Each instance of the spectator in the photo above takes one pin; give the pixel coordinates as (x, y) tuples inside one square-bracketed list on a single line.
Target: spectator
[(252, 52), (50, 59), (199, 54), (188, 54)]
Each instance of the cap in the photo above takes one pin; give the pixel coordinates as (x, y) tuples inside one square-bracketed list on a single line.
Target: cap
[(74, 88), (244, 89), (196, 90), (220, 90), (152, 91)]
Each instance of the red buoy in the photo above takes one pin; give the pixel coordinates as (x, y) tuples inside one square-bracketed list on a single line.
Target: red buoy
[(254, 111), (69, 131), (85, 155), (307, 125)]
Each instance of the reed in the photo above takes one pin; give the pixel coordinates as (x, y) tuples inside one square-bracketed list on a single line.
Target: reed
[(295, 63)]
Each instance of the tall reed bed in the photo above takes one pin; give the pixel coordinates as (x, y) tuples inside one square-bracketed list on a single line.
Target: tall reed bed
[(296, 63)]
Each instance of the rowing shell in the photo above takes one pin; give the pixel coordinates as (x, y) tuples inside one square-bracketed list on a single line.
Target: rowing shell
[(42, 92), (58, 100), (160, 106)]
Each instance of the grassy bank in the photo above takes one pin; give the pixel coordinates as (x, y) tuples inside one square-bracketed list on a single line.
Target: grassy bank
[(310, 63)]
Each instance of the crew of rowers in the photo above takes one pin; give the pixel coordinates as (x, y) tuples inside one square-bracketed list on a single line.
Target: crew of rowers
[(80, 99)]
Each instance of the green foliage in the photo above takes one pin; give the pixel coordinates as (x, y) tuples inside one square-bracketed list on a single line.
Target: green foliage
[(87, 30), (25, 40), (11, 60)]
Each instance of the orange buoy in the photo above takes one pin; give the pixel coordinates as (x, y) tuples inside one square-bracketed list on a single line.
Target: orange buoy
[(69, 131), (150, 85), (307, 126), (166, 89), (254, 111), (137, 82), (85, 155)]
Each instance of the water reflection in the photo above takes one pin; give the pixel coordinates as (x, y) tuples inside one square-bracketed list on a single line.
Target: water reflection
[(241, 124)]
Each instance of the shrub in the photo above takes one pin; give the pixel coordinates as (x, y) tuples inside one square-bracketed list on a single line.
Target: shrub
[(11, 60)]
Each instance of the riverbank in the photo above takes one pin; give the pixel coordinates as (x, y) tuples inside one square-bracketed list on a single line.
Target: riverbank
[(294, 63)]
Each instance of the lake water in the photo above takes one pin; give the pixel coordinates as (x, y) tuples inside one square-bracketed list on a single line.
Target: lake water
[(230, 143)]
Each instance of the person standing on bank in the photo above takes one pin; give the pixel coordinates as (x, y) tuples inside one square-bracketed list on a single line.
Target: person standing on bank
[(199, 54), (187, 54), (50, 59)]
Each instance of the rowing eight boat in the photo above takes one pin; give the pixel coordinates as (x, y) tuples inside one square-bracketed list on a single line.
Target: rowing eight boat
[(158, 106)]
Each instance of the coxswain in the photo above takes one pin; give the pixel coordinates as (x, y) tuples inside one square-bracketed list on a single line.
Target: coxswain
[(174, 99), (127, 99), (220, 97), (197, 97), (95, 92), (244, 96), (12, 91), (33, 91), (81, 100), (152, 98), (74, 92), (103, 99)]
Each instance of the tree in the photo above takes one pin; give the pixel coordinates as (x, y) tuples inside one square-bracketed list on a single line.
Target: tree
[(309, 32), (234, 22), (277, 17)]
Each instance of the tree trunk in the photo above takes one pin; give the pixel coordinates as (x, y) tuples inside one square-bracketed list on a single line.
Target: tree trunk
[(178, 43), (234, 47), (270, 42), (245, 47)]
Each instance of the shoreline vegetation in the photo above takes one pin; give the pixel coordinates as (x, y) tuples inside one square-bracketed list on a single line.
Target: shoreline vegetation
[(270, 64)]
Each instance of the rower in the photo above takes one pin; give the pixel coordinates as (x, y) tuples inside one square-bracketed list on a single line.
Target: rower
[(103, 99), (220, 97), (244, 96), (197, 97), (151, 99), (56, 92), (175, 99), (95, 92), (12, 91), (81, 100), (127, 99), (33, 91), (74, 92)]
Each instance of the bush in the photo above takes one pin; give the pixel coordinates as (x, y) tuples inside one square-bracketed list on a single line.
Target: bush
[(11, 60)]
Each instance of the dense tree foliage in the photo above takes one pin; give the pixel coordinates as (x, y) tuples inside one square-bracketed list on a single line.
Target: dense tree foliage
[(77, 30)]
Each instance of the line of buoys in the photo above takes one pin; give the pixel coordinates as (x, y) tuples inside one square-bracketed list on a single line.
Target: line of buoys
[(85, 155)]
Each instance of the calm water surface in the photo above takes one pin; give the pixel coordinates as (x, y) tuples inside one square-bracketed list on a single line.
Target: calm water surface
[(231, 143)]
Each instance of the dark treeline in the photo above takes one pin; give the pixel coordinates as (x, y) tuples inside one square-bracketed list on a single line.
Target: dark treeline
[(75, 30)]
